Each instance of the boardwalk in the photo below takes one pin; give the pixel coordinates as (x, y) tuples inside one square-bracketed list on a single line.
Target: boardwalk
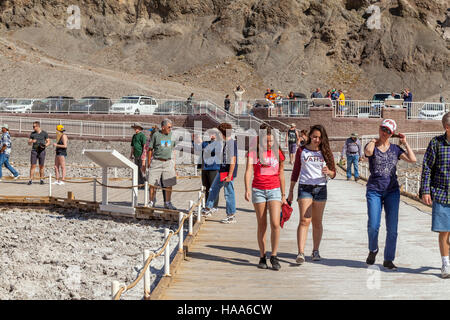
[(222, 262)]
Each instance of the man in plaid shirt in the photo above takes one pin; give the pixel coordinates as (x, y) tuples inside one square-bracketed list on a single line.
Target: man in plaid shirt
[(435, 187)]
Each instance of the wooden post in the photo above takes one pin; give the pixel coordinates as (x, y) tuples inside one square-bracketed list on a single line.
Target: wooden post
[(49, 184), (95, 189), (166, 254), (146, 193), (114, 288), (70, 196), (181, 234), (191, 217), (146, 275), (199, 209)]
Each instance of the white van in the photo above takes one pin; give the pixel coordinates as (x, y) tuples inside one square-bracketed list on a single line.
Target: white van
[(135, 104), (21, 106)]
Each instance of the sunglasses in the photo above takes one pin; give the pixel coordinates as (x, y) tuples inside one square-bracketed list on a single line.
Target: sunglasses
[(386, 130)]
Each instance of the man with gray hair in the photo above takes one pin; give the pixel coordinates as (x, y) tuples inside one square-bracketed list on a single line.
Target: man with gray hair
[(162, 167), (435, 187)]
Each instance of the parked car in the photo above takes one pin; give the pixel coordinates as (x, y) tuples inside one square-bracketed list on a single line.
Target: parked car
[(432, 111), (135, 104), (21, 106), (91, 104), (53, 104), (5, 102)]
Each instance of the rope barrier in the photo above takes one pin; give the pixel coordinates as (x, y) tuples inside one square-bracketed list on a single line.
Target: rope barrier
[(123, 289), (142, 185)]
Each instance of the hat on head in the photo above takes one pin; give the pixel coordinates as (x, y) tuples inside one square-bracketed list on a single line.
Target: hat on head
[(354, 135), (390, 124), (5, 126), (60, 128), (137, 125), (293, 125)]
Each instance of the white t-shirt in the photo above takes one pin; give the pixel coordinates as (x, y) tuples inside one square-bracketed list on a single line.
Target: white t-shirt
[(311, 169)]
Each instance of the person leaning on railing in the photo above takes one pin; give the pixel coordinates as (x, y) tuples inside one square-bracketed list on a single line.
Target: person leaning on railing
[(434, 189)]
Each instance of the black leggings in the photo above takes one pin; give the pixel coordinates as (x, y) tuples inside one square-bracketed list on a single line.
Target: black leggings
[(208, 177)]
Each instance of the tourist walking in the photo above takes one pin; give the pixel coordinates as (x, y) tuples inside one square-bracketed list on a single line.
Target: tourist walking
[(5, 152), (61, 154), (293, 139), (341, 103), (383, 189), (435, 187), (238, 93), (314, 164), (210, 166), (137, 148), (161, 163), (227, 173), (267, 191), (352, 150), (303, 137), (39, 141), (279, 103), (227, 103)]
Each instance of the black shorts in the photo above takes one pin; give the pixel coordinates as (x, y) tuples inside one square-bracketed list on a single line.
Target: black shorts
[(35, 156)]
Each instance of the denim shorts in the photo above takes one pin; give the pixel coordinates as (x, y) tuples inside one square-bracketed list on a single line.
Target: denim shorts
[(315, 192), (260, 195), (440, 217)]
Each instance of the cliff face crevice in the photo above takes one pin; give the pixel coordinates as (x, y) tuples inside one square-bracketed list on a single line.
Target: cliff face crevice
[(297, 44)]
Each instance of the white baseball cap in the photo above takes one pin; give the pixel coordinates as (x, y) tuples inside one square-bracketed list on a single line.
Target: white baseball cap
[(390, 124)]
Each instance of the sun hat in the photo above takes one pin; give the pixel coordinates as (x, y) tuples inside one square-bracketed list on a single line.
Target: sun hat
[(390, 124), (60, 128), (5, 125), (293, 125), (137, 125), (354, 135)]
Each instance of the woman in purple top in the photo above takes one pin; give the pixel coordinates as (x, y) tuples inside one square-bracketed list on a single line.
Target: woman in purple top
[(383, 189)]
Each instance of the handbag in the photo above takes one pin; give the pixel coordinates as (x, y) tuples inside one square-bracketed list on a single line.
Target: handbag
[(286, 211), (224, 175)]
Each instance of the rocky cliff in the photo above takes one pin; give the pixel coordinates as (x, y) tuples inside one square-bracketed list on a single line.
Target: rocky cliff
[(216, 44)]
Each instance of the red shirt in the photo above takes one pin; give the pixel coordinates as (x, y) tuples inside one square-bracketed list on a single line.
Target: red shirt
[(266, 177)]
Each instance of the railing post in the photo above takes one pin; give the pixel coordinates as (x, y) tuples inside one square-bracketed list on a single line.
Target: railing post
[(191, 217), (199, 209), (49, 184), (95, 189), (115, 286), (181, 233), (166, 253), (418, 186), (81, 128), (146, 274), (146, 193)]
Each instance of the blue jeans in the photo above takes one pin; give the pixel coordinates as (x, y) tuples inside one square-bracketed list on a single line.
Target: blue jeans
[(4, 160), (230, 198), (352, 159), (375, 202)]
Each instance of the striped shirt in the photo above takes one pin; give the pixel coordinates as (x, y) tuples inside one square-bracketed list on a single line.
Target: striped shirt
[(6, 140), (436, 170)]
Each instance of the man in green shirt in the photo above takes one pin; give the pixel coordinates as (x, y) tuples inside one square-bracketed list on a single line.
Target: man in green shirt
[(137, 147), (162, 167)]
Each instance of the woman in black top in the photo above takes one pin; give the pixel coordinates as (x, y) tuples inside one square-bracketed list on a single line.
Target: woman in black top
[(61, 154), (227, 103)]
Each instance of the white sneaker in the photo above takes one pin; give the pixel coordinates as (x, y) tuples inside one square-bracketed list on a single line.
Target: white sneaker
[(61, 183), (445, 271), (229, 219), (151, 204), (207, 212), (300, 258), (214, 210), (56, 182), (169, 205), (15, 178)]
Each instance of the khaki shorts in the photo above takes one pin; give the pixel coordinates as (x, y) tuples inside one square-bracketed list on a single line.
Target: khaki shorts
[(162, 170)]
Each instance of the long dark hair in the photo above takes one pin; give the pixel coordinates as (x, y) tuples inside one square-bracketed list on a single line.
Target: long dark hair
[(324, 146)]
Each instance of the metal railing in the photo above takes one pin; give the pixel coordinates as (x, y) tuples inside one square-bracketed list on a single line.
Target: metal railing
[(418, 141)]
